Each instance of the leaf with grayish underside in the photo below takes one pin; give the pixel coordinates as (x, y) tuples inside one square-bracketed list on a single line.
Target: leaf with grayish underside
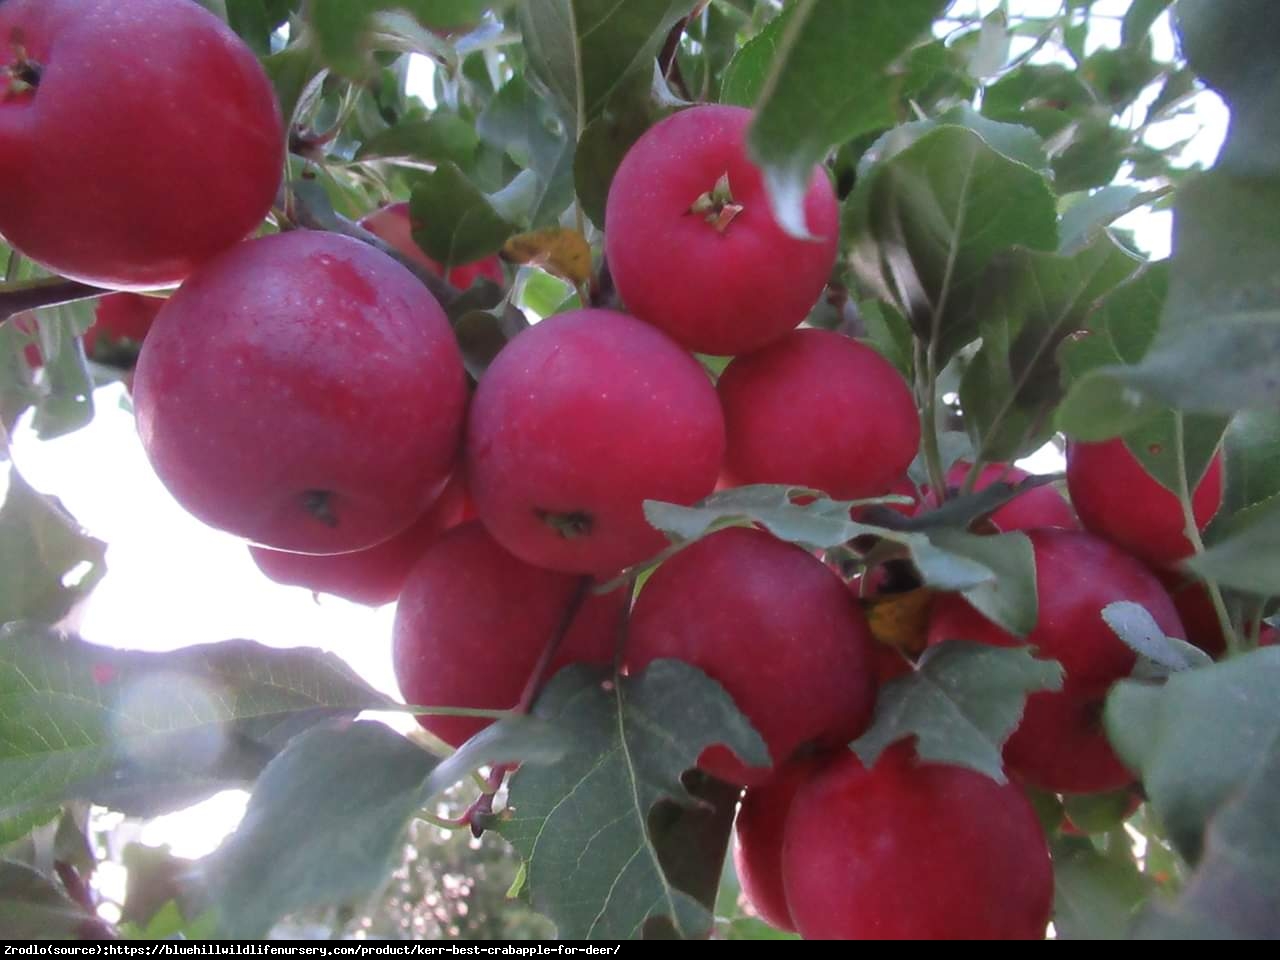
[(960, 704)]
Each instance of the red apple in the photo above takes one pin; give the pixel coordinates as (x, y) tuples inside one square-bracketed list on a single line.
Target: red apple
[(393, 225), (374, 576), (121, 320), (817, 409), (693, 245), (579, 420), (1116, 498), (303, 391), (773, 626), (1060, 744), (138, 138), (758, 832), (908, 850), (473, 620)]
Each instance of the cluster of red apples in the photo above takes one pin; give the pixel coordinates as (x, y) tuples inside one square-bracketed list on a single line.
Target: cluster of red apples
[(304, 391)]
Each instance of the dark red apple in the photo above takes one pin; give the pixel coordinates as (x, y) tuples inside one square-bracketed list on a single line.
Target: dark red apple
[(817, 409), (693, 245), (1116, 498), (579, 420), (1060, 744), (377, 575), (758, 835), (303, 391), (773, 626), (138, 138), (121, 321), (472, 621), (908, 850), (393, 225)]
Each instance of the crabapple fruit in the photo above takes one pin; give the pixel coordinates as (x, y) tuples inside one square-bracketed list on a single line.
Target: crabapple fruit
[(817, 409), (1116, 498), (773, 626), (303, 391), (1060, 744), (473, 620), (578, 421), (693, 245), (138, 138), (374, 576), (912, 850)]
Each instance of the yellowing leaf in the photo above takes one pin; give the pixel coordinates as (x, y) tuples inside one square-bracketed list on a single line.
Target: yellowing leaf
[(557, 250)]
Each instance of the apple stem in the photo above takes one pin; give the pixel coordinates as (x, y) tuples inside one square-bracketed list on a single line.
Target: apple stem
[(926, 362), (480, 815), (717, 206), (1193, 535), (533, 686)]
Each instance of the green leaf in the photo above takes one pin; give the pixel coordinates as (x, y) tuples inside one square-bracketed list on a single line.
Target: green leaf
[(1251, 451), (1243, 547), (1099, 812), (1140, 633), (150, 732), (525, 126), (926, 223), (514, 739), (47, 563), (322, 827), (1196, 740), (1138, 20), (691, 841), (1012, 140), (1009, 598), (482, 334), (441, 137), (254, 20), (296, 73), (584, 825), (1031, 302), (889, 332), (1121, 330), (13, 829), (1218, 349), (32, 907), (583, 50), (1095, 897), (458, 223), (745, 77), (1092, 212), (1235, 892), (828, 83), (1231, 44), (607, 138), (961, 703), (347, 32)]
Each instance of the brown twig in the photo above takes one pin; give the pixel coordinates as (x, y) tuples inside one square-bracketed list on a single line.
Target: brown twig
[(94, 927), (480, 815), (45, 292), (669, 63)]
